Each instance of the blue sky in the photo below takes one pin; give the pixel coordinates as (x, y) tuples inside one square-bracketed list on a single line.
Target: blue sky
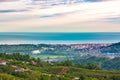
[(59, 16)]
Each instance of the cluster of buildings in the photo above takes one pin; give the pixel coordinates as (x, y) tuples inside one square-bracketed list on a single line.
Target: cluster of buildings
[(82, 46)]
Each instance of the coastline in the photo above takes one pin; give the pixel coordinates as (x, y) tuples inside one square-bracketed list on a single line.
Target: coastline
[(55, 42)]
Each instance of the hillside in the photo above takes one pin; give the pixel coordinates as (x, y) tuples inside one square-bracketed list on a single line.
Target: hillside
[(104, 62), (24, 67), (114, 48)]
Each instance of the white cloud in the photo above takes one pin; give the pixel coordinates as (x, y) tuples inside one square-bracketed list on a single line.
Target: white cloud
[(80, 14)]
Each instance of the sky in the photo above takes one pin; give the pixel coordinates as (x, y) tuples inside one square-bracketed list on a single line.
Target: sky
[(59, 15)]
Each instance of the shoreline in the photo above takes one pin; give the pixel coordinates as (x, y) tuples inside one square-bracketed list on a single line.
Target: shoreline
[(55, 42)]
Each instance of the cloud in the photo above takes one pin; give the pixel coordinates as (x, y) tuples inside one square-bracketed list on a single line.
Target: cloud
[(9, 11), (112, 19), (8, 0), (82, 16), (50, 16)]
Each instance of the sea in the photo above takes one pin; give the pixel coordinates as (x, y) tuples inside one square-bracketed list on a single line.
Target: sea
[(58, 38)]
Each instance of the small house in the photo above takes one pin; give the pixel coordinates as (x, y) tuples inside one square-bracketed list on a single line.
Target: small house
[(34, 63), (3, 62)]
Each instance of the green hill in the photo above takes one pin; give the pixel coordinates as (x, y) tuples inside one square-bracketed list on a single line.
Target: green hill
[(114, 48), (24, 67)]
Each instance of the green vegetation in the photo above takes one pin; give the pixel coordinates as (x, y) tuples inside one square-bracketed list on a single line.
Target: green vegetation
[(24, 67), (114, 48), (77, 53), (103, 62)]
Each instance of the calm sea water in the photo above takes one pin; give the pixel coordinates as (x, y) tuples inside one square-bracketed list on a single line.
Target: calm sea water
[(67, 38)]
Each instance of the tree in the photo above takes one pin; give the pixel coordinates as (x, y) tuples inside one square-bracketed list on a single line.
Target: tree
[(45, 77), (82, 77), (92, 66), (116, 78), (67, 63)]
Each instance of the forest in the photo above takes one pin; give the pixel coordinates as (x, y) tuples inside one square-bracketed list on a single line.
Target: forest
[(25, 67)]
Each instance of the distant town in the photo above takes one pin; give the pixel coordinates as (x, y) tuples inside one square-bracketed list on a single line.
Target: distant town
[(61, 50)]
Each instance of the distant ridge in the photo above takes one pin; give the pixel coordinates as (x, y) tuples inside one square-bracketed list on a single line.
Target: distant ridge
[(114, 48)]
